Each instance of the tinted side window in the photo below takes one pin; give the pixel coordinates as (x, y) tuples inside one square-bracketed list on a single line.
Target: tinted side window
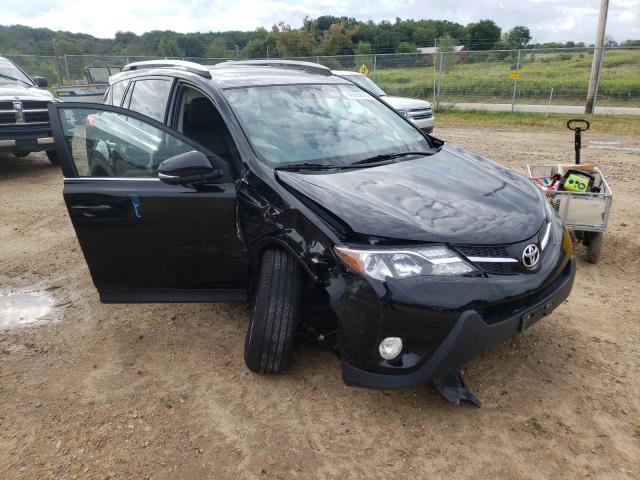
[(117, 92), (150, 97)]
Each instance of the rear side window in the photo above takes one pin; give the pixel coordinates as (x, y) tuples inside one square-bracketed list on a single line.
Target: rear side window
[(117, 92), (150, 97)]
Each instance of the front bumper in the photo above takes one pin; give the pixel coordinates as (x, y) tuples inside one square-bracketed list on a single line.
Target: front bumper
[(424, 123), (443, 321), (470, 336), (26, 139)]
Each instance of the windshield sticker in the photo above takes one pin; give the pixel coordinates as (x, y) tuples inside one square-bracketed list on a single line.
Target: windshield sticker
[(356, 95)]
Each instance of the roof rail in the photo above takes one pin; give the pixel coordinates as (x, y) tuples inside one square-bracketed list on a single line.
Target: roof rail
[(308, 67), (182, 64)]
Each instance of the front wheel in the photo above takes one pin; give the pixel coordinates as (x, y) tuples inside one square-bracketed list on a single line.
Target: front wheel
[(271, 335), (53, 158)]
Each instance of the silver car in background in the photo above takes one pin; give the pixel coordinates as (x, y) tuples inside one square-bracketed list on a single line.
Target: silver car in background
[(418, 111)]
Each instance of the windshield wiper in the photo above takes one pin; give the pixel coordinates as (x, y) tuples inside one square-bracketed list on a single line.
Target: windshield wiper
[(8, 77), (390, 156), (387, 157), (307, 166)]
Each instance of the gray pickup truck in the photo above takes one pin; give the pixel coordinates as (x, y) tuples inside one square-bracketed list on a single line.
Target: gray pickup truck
[(24, 118)]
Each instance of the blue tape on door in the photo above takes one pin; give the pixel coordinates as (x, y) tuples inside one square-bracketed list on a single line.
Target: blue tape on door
[(135, 202)]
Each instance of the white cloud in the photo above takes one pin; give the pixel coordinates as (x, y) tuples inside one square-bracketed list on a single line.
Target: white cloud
[(548, 19)]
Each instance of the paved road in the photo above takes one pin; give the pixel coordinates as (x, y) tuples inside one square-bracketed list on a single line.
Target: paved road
[(573, 109)]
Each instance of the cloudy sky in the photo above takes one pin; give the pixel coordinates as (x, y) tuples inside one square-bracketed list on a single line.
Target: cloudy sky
[(549, 20)]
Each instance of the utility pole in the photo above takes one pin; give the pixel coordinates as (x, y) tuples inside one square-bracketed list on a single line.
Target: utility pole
[(598, 51), (66, 65), (435, 55), (55, 54), (515, 84)]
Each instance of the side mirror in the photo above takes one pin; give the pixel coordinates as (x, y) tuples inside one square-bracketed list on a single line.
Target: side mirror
[(41, 82), (187, 167)]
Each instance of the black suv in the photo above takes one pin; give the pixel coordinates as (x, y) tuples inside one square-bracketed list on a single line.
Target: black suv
[(24, 119), (281, 184)]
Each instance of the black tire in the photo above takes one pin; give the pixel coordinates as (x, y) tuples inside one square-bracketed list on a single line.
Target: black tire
[(594, 247), (53, 158), (270, 337)]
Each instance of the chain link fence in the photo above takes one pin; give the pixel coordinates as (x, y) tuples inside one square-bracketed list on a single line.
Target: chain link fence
[(527, 76)]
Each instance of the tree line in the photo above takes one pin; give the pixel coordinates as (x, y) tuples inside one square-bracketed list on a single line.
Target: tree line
[(325, 35)]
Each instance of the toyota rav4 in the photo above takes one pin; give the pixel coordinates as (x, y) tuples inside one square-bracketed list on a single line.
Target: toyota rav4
[(283, 185)]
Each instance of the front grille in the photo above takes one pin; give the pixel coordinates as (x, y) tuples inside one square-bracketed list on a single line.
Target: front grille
[(498, 312), (421, 113), (36, 116), (492, 268), (34, 112), (32, 104), (491, 251), (7, 117), (499, 268)]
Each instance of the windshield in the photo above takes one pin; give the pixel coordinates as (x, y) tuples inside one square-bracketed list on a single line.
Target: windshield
[(8, 69), (331, 124), (366, 83)]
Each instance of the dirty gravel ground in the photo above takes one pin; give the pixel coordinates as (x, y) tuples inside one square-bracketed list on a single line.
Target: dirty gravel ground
[(161, 391)]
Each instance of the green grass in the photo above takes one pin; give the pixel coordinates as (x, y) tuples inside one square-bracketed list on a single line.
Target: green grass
[(623, 125), (485, 78)]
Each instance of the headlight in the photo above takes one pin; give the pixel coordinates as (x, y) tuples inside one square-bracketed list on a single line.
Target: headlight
[(404, 113), (549, 226), (551, 212), (405, 263)]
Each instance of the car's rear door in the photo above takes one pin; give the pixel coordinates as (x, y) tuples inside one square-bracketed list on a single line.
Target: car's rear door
[(145, 240)]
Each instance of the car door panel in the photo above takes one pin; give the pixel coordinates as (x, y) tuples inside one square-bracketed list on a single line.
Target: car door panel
[(145, 240)]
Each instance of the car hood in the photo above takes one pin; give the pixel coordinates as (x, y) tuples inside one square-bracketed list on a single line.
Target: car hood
[(453, 196), (24, 92), (404, 103)]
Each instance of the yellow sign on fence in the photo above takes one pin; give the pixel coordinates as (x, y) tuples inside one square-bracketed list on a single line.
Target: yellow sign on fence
[(514, 75), (363, 69)]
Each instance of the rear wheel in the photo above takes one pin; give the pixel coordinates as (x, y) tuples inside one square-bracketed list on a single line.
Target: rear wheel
[(594, 247), (53, 158), (271, 335)]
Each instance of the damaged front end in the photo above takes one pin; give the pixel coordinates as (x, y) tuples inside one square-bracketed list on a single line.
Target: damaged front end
[(442, 308)]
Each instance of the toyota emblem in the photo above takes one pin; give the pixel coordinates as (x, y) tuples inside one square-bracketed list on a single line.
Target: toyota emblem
[(530, 255)]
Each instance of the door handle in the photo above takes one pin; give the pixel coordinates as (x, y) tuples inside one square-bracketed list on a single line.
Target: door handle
[(90, 210)]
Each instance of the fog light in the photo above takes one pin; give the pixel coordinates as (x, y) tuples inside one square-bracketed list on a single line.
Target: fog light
[(390, 348)]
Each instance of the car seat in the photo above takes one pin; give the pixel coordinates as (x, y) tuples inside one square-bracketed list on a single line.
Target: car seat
[(204, 125)]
